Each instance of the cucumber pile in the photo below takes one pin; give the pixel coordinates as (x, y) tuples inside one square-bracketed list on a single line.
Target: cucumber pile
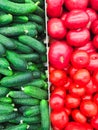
[(23, 79)]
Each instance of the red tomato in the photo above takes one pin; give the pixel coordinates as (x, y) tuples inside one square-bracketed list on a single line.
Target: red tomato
[(94, 4), (88, 108), (76, 90), (71, 101), (72, 71), (55, 3), (58, 78), (76, 4), (67, 110), (87, 97), (63, 17), (68, 83), (59, 119), (88, 126), (77, 19), (80, 59), (52, 87), (59, 54), (94, 122), (94, 27), (95, 99), (51, 69), (78, 37), (55, 128), (95, 77), (78, 116), (56, 28), (81, 77), (75, 126), (56, 102), (95, 41)]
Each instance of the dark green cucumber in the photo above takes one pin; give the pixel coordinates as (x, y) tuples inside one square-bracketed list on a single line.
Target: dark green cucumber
[(18, 94), (22, 48), (18, 1), (20, 19), (40, 28), (1, 127), (6, 99), (18, 127), (3, 91), (44, 109), (6, 108), (4, 63), (33, 43), (2, 50), (6, 71), (30, 57), (16, 8), (17, 62), (32, 111), (17, 79), (34, 127), (35, 92), (7, 42), (33, 33), (23, 108), (36, 74), (28, 101), (32, 66)]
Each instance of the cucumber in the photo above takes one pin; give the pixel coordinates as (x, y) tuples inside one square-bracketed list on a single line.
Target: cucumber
[(20, 19), (18, 127), (32, 33), (28, 101), (4, 63), (45, 122), (17, 62), (5, 99), (33, 43), (40, 28), (32, 66), (6, 117), (3, 91), (30, 57), (17, 79), (23, 108), (36, 74), (32, 111), (6, 71), (35, 92), (22, 48), (2, 50), (5, 108), (18, 94), (7, 42), (16, 8), (35, 127), (18, 1)]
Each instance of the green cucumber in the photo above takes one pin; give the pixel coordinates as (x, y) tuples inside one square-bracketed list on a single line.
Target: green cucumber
[(33, 43), (18, 94), (28, 101), (2, 50), (40, 28), (6, 99), (35, 127), (36, 74), (17, 79), (6, 71), (18, 1), (45, 122), (35, 92), (6, 108), (32, 66), (17, 62), (4, 63), (20, 19), (16, 8), (3, 91), (32, 111), (23, 108)]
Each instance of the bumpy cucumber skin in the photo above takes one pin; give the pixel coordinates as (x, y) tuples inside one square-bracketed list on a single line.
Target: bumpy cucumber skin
[(3, 91), (6, 99), (6, 108), (4, 63), (6, 71), (35, 127), (2, 50), (21, 19)]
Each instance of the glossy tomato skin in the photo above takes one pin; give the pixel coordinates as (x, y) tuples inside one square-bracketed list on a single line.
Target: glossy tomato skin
[(94, 27), (55, 3), (63, 17), (80, 59), (59, 119), (59, 54), (67, 110), (78, 37), (72, 102), (94, 122), (95, 77), (51, 69), (87, 97), (77, 19), (81, 77), (95, 99), (75, 126), (56, 28), (68, 83), (78, 116), (88, 126), (72, 71), (88, 108), (95, 41), (58, 78), (76, 4), (94, 4)]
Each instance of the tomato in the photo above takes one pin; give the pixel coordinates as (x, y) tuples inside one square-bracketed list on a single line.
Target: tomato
[(76, 19), (78, 37), (72, 71), (67, 110), (55, 128), (56, 28), (63, 17), (87, 97), (95, 77), (75, 126), (76, 90), (76, 4), (88, 108), (68, 83), (51, 69), (95, 99), (94, 4), (71, 101), (56, 102), (78, 116), (88, 126), (55, 3), (94, 122), (94, 27), (52, 87), (58, 78), (81, 77), (95, 41), (59, 119), (59, 54), (80, 59)]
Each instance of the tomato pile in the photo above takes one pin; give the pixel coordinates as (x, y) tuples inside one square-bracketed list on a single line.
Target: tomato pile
[(73, 59)]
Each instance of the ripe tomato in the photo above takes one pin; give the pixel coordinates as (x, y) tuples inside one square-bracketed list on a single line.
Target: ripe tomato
[(94, 27), (95, 77), (88, 126), (88, 108), (78, 37), (52, 87), (77, 19), (94, 122), (94, 4), (95, 41), (80, 59), (59, 119), (71, 101), (63, 17), (51, 69), (87, 97), (56, 102), (78, 116), (58, 78), (59, 54), (67, 84), (81, 77), (56, 28), (72, 71), (67, 110), (55, 3), (95, 99)]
